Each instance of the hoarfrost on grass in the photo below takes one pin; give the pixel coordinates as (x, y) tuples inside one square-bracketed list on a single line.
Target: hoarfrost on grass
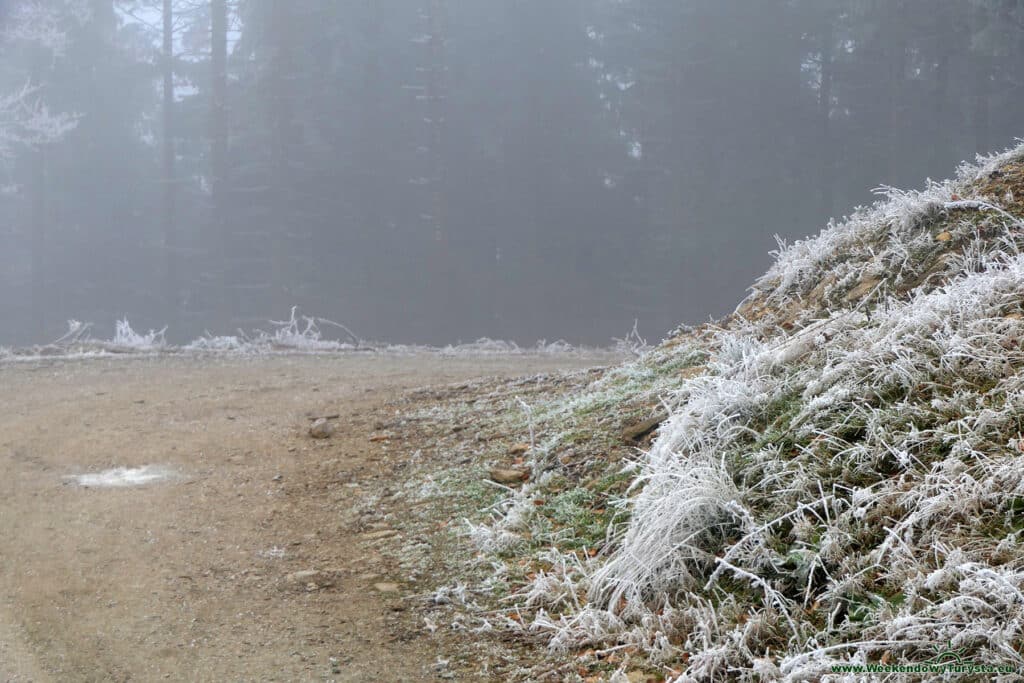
[(298, 334), (831, 489)]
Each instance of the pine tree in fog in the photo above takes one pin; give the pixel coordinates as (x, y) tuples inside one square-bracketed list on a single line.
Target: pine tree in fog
[(426, 170)]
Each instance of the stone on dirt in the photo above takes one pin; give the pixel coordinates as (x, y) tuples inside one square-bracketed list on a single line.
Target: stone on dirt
[(322, 429), (379, 534), (637, 431), (303, 577), (510, 476)]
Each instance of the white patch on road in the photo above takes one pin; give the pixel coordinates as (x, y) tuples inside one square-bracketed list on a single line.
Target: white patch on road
[(124, 476)]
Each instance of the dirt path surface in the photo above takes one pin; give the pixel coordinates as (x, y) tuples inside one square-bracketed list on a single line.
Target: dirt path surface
[(195, 577)]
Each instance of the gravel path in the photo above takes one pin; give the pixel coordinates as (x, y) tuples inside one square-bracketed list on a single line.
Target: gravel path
[(197, 576)]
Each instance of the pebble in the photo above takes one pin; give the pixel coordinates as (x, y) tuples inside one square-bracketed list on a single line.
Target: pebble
[(322, 429), (306, 576), (383, 533), (508, 476)]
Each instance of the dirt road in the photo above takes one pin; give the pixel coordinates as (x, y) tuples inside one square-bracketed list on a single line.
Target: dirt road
[(194, 577)]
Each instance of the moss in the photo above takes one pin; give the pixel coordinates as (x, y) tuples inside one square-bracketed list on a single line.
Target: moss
[(574, 519), (613, 483)]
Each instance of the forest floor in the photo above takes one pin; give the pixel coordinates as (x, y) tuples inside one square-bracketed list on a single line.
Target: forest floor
[(264, 554)]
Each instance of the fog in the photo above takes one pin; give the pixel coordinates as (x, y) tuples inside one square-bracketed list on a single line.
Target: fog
[(439, 170)]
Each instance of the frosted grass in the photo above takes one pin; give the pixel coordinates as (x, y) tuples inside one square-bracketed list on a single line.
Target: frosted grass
[(843, 479)]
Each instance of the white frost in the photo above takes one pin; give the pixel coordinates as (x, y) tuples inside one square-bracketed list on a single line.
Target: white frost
[(120, 477)]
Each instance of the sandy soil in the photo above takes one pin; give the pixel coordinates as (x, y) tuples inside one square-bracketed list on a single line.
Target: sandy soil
[(193, 578)]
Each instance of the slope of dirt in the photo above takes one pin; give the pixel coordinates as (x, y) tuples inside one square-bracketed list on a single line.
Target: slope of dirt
[(194, 577)]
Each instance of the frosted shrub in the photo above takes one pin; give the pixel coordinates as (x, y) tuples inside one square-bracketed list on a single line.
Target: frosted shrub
[(128, 339), (690, 508), (304, 334), (220, 344)]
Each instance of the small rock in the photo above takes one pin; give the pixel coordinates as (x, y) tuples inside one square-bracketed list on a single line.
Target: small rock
[(383, 533), (386, 587), (322, 429), (862, 289), (692, 371), (303, 577), (641, 429), (519, 449), (817, 295), (509, 476)]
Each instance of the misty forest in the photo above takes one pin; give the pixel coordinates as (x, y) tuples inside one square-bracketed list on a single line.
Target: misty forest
[(323, 340), (429, 171)]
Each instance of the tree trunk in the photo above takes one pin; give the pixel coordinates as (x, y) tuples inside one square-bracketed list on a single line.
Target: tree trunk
[(827, 178), (39, 297), (37, 226), (979, 74), (169, 188), (279, 103), (897, 63), (441, 268), (980, 104), (939, 96), (373, 200), (219, 151)]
